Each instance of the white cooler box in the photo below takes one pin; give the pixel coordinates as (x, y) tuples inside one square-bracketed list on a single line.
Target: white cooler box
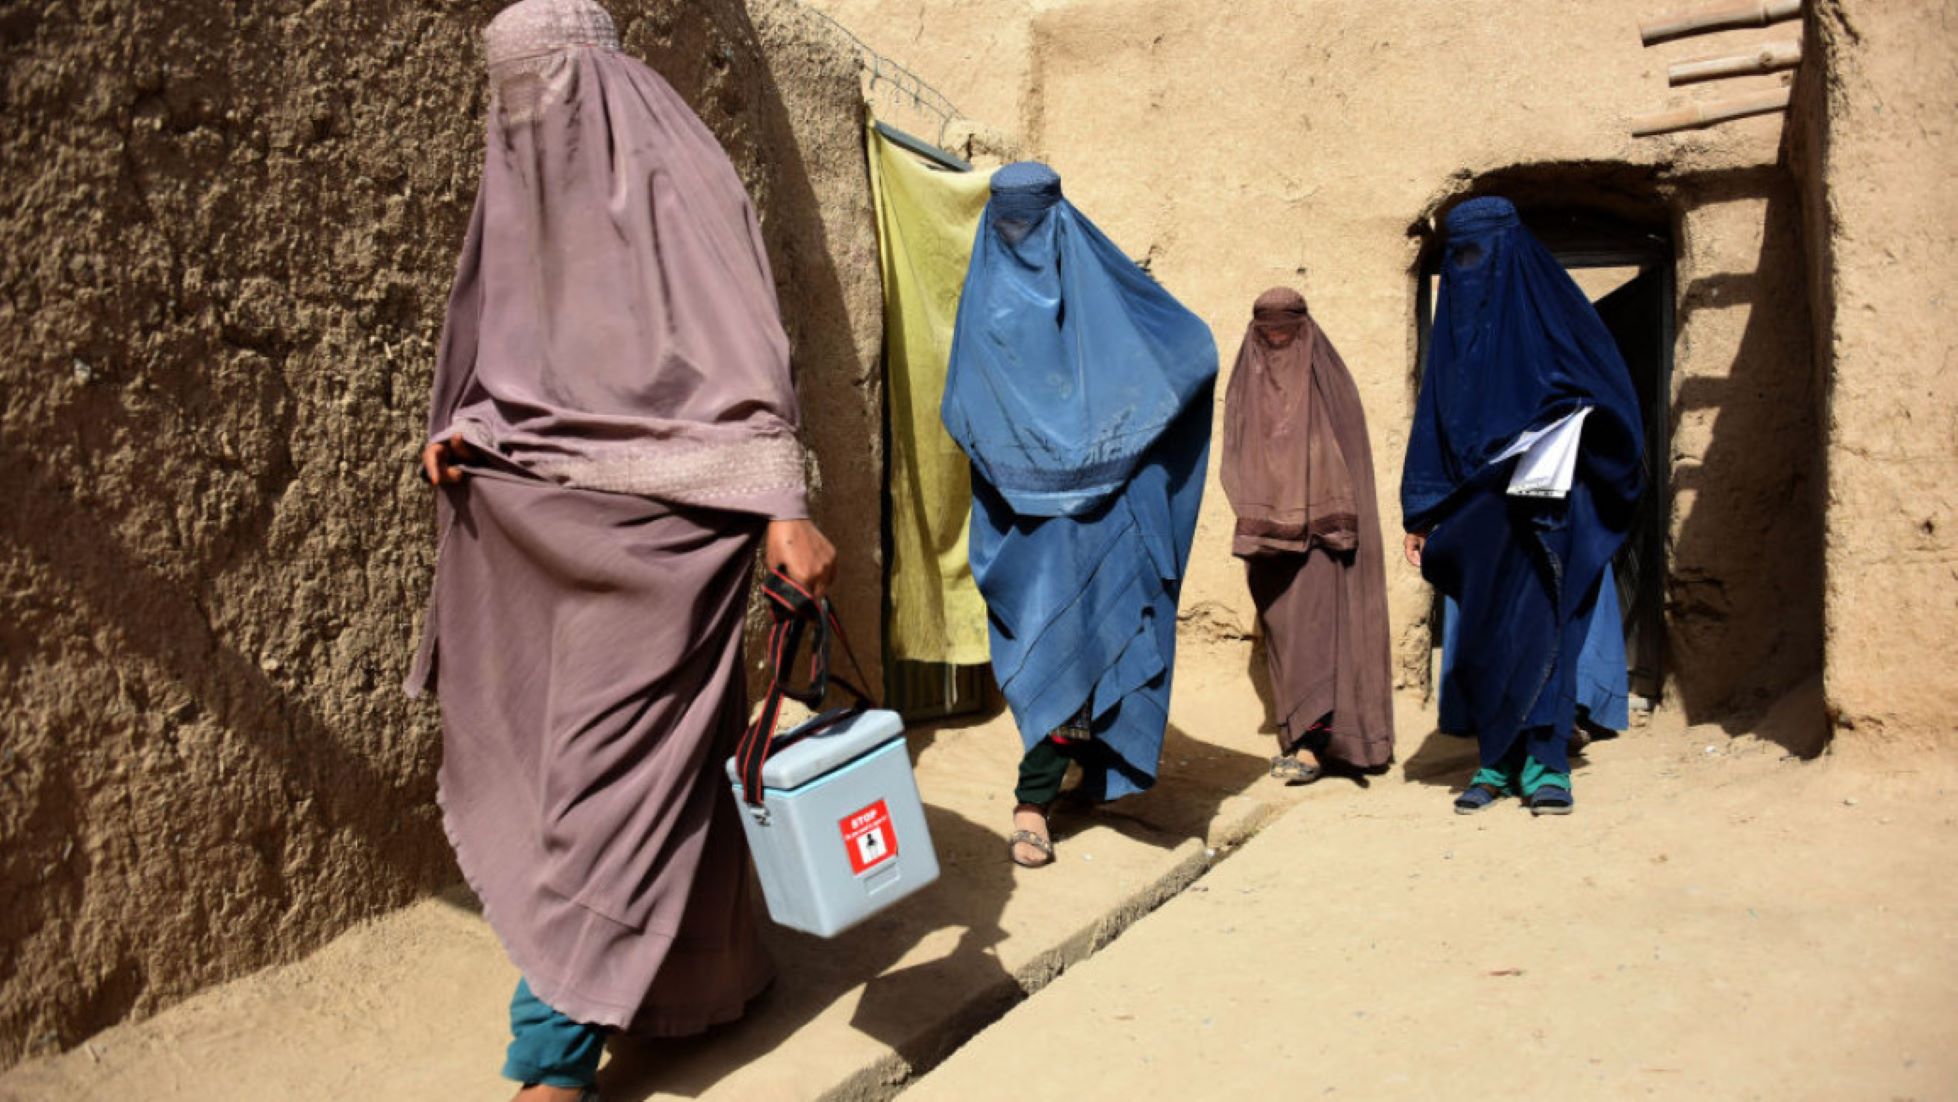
[(841, 833)]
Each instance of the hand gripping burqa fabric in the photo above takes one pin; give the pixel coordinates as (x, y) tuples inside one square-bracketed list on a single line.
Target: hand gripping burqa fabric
[(614, 355), (1298, 469), (1517, 347), (1081, 391)]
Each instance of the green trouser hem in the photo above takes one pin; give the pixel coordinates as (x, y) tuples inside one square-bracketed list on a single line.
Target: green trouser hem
[(1041, 773), (1526, 778), (548, 1048)]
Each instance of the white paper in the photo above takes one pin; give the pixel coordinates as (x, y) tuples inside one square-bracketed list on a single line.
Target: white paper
[(1549, 457)]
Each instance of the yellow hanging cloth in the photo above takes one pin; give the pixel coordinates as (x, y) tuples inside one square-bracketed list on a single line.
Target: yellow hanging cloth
[(926, 219)]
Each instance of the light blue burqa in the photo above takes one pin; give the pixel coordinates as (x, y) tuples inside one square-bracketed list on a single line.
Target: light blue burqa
[(1081, 391)]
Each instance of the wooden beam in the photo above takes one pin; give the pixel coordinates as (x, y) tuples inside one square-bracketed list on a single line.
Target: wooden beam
[(1754, 13), (1703, 115), (1770, 58)]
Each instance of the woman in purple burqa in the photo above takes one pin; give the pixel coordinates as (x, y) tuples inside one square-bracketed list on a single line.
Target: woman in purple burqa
[(613, 431)]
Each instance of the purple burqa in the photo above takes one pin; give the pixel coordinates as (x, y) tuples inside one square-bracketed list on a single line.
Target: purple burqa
[(1298, 469), (614, 353)]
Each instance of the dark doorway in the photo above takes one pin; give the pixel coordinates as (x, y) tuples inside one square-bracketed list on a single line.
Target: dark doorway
[(1627, 270)]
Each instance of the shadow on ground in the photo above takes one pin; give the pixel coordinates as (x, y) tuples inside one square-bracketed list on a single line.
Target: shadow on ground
[(923, 1008), (1448, 761)]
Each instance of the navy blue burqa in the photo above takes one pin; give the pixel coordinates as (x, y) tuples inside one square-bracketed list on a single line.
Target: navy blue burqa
[(1517, 346), (1081, 391)]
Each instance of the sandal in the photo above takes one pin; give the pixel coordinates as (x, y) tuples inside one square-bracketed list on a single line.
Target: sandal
[(1027, 837), (1295, 772), (587, 1094), (1551, 800), (1477, 797)]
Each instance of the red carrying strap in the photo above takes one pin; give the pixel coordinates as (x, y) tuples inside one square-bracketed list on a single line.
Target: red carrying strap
[(793, 610)]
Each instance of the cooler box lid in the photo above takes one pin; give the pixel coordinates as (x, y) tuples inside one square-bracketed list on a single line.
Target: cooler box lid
[(815, 755)]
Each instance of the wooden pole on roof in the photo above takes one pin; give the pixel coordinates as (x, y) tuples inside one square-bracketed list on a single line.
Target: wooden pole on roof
[(1770, 58), (1703, 115), (1755, 13)]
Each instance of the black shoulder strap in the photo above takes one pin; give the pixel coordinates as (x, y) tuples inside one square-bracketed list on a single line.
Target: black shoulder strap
[(793, 610)]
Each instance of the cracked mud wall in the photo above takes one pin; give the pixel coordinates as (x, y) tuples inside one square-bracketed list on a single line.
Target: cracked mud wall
[(228, 235), (1876, 149), (1305, 142)]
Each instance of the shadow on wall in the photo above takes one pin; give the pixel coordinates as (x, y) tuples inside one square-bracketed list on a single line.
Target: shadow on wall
[(212, 548), (1743, 550), (195, 685), (1745, 592), (229, 269), (818, 198)]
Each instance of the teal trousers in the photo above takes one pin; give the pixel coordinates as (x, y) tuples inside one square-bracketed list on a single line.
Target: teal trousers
[(548, 1048)]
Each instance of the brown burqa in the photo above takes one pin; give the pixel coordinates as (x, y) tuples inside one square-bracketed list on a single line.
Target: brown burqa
[(1299, 474), (613, 352)]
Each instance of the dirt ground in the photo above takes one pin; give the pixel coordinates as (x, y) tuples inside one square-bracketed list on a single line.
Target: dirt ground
[(413, 1004), (1719, 920)]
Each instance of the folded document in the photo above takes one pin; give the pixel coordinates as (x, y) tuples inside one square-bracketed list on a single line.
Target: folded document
[(1549, 457)]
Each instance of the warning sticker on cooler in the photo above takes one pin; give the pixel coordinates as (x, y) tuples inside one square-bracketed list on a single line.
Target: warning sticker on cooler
[(868, 837)]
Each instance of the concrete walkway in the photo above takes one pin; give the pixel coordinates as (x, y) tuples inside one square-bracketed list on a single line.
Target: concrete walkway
[(413, 1006), (1717, 921)]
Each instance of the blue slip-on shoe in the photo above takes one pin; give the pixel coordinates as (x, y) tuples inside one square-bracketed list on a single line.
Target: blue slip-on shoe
[(1551, 800), (1477, 797)]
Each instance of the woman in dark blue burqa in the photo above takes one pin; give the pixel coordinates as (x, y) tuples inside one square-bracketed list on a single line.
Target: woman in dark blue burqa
[(1520, 368), (1081, 391)]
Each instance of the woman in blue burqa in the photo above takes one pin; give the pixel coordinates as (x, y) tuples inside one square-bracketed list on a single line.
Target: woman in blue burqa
[(1081, 391), (1604, 705), (1523, 471)]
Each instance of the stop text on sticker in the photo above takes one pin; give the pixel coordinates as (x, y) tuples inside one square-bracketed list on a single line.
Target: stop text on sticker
[(868, 837)]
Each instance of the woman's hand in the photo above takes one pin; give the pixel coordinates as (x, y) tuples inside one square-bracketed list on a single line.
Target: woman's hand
[(797, 549), (442, 460), (1413, 545)]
